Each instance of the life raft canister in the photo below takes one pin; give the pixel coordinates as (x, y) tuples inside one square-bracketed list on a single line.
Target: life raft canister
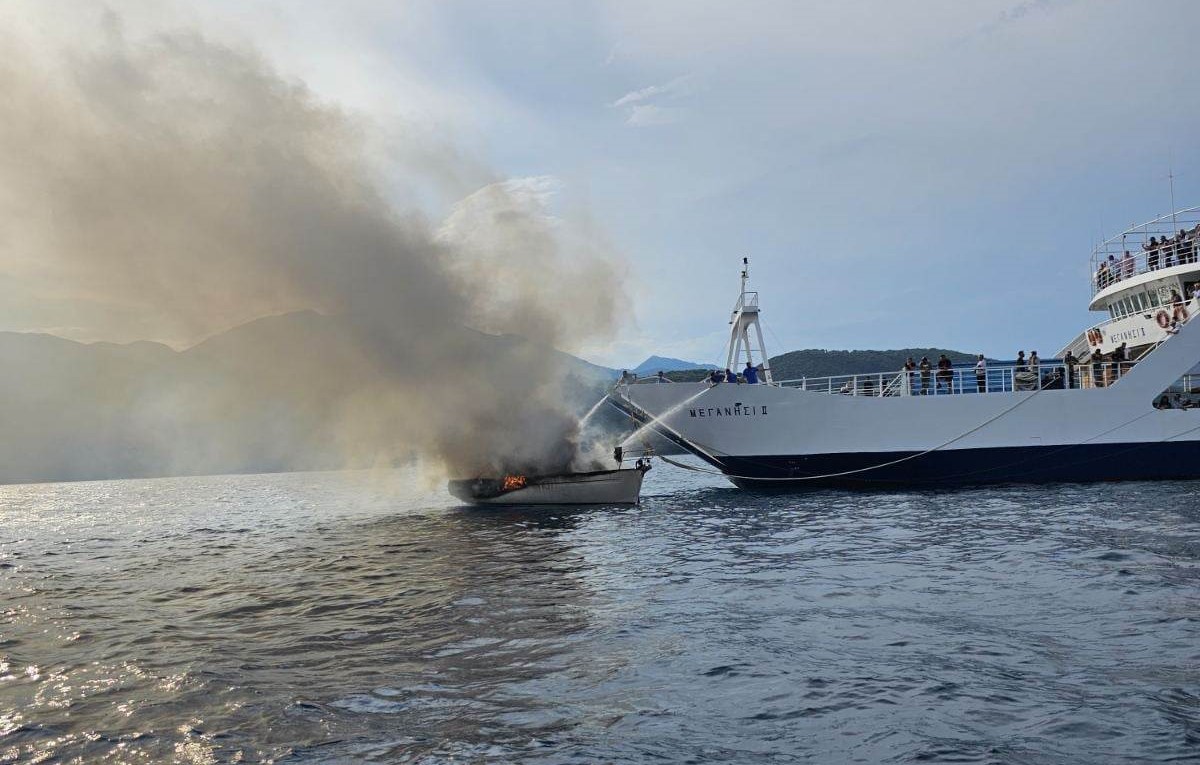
[(1163, 319)]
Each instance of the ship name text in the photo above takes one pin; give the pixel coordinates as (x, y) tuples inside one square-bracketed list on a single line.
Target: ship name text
[(737, 410)]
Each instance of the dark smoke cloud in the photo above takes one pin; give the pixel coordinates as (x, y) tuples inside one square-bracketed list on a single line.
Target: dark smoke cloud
[(172, 187)]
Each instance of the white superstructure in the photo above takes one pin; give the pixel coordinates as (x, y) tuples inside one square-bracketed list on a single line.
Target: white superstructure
[(1084, 417)]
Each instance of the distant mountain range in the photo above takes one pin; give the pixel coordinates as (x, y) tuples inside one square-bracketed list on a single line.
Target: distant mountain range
[(656, 364), (271, 395), (815, 362), (290, 392)]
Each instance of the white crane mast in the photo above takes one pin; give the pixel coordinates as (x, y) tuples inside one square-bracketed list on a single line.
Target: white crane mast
[(741, 342)]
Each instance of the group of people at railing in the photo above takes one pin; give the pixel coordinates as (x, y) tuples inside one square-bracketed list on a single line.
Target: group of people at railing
[(1025, 373), (1175, 400), (751, 375), (1159, 252)]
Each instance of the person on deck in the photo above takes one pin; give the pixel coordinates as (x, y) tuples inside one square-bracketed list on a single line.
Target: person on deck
[(1021, 362), (1151, 249), (715, 377), (981, 374), (910, 373), (926, 371), (1120, 358), (1097, 369), (945, 375), (1033, 362), (750, 373), (1114, 268), (730, 377), (1185, 248), (1126, 265), (662, 378), (1069, 362)]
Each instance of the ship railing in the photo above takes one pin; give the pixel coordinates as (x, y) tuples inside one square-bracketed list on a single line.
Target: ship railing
[(1142, 258), (746, 300), (1005, 377), (997, 378), (1186, 388)]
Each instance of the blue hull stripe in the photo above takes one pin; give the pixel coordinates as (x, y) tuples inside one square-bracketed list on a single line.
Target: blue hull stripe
[(1150, 461)]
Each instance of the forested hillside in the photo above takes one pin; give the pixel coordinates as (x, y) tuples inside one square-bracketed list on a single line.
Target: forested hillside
[(815, 362)]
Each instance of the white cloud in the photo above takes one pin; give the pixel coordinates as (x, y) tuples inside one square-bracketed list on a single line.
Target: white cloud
[(642, 115), (676, 88), (642, 111)]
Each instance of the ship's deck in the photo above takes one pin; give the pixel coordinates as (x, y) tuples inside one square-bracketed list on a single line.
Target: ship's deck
[(1003, 377), (1135, 241), (999, 377)]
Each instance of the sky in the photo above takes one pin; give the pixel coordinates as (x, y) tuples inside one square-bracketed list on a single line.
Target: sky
[(900, 174)]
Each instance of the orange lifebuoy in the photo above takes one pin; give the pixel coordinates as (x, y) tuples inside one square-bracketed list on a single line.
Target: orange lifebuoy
[(1163, 320), (1181, 313)]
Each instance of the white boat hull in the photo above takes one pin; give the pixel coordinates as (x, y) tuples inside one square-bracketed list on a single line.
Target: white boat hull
[(609, 487)]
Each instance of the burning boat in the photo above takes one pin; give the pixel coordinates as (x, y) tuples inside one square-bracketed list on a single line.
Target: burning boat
[(601, 487)]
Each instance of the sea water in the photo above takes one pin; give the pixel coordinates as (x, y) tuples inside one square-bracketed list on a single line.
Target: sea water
[(350, 617)]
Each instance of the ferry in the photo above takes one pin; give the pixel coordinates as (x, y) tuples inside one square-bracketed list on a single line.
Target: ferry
[(1115, 403)]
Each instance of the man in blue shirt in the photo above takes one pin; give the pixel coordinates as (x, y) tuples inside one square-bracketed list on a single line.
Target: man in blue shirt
[(750, 373)]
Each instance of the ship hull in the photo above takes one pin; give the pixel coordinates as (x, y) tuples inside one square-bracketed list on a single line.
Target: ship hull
[(606, 487), (1081, 463), (767, 436)]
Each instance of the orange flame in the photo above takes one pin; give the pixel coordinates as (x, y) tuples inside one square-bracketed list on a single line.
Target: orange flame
[(512, 482)]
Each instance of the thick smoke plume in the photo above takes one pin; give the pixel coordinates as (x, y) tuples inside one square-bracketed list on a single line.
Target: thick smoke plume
[(172, 187)]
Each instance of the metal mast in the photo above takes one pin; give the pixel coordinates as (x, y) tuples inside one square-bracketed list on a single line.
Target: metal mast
[(745, 318)]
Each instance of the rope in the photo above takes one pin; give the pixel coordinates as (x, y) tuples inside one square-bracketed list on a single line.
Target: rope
[(942, 445), (1062, 448), (1177, 435)]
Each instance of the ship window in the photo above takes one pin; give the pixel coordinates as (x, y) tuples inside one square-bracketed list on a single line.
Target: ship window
[(1154, 302)]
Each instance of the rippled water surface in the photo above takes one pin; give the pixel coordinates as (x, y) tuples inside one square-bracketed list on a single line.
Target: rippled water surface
[(328, 618)]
